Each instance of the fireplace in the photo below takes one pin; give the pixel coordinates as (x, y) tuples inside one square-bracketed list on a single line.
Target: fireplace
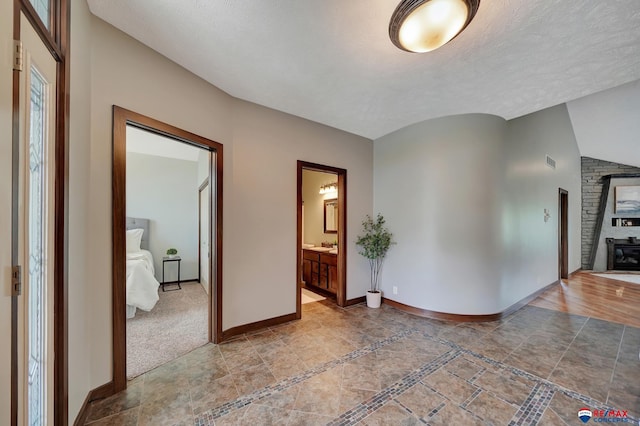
[(623, 254)]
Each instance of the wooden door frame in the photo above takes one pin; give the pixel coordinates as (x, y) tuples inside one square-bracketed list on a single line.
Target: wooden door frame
[(341, 295), (563, 237), (121, 118), (57, 40)]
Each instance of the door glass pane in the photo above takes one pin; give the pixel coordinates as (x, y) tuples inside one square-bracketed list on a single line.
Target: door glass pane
[(36, 246), (42, 7)]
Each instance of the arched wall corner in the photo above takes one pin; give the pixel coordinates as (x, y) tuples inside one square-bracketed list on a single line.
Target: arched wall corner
[(464, 196)]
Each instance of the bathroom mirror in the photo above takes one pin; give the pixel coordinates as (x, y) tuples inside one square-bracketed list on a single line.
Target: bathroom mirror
[(331, 216)]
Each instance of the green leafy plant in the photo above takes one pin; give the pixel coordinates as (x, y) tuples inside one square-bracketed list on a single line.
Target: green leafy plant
[(374, 244), (172, 252)]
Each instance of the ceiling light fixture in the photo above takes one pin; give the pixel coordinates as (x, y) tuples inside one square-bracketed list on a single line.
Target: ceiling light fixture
[(424, 25), (329, 188)]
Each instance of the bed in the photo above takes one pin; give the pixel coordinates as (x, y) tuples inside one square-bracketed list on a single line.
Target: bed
[(141, 284)]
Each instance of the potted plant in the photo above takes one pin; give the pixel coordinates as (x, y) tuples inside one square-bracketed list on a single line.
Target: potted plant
[(171, 252), (374, 244)]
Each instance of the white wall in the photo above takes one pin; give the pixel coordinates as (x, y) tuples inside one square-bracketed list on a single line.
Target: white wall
[(261, 147), (530, 244), (606, 124), (6, 44), (464, 197), (165, 191), (203, 166), (314, 206), (438, 187)]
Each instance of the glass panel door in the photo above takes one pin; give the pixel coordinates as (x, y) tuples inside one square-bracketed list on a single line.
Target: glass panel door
[(36, 266), (37, 105), (43, 9)]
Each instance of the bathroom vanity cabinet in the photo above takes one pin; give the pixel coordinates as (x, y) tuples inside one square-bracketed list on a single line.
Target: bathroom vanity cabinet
[(320, 269)]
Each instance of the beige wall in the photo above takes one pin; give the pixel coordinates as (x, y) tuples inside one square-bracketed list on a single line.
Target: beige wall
[(80, 234), (6, 38), (261, 147)]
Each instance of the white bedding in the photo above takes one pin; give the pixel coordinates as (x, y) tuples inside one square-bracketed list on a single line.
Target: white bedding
[(142, 286)]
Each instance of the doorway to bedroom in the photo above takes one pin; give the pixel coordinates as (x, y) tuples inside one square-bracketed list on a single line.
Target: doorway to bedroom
[(165, 216)]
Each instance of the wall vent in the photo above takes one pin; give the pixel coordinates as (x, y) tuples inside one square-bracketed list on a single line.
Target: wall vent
[(550, 162)]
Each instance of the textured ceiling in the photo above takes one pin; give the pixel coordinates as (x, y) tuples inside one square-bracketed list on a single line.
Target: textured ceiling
[(331, 61)]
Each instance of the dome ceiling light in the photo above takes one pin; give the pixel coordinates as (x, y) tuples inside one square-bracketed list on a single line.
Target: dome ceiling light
[(424, 25)]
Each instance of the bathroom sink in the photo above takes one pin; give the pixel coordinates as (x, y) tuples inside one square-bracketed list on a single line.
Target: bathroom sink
[(333, 251), (321, 249)]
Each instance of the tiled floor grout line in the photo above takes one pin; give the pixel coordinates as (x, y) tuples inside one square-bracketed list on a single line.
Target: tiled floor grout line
[(613, 371), (534, 406), (556, 388), (529, 412), (363, 409), (568, 346), (207, 417), (540, 397)]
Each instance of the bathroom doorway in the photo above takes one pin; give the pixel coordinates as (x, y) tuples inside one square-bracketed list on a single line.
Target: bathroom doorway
[(321, 230)]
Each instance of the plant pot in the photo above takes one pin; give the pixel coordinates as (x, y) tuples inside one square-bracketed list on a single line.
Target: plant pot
[(374, 298)]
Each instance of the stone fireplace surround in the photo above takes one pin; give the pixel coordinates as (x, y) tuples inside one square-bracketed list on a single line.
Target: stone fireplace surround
[(600, 256)]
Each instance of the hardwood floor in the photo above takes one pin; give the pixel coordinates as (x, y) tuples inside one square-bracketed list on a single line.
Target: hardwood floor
[(588, 295)]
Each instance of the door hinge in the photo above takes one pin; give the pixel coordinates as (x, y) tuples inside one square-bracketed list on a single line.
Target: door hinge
[(16, 280), (17, 55)]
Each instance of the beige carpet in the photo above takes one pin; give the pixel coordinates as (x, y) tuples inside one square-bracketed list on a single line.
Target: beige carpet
[(175, 326)]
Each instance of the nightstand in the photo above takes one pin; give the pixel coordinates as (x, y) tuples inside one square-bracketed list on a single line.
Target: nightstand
[(166, 260)]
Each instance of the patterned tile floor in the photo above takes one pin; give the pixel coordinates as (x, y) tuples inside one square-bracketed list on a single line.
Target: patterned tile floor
[(383, 366)]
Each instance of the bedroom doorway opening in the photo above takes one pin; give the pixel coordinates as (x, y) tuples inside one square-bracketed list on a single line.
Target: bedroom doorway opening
[(167, 237), (321, 230)]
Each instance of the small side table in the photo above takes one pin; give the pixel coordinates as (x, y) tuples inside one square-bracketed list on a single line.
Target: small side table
[(164, 283)]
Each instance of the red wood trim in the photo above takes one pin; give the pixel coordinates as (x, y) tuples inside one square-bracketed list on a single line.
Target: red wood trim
[(467, 318), (61, 27), (57, 41), (299, 240), (351, 302), (57, 31), (15, 195), (258, 325), (217, 288), (119, 273), (100, 392), (563, 237), (341, 296)]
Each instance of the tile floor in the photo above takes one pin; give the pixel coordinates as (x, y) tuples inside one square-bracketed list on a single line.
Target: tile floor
[(372, 367)]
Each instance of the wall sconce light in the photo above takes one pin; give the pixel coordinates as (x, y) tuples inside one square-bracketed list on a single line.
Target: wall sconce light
[(328, 188), (424, 25)]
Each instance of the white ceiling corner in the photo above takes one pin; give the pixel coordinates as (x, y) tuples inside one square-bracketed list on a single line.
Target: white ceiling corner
[(148, 143), (331, 61)]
